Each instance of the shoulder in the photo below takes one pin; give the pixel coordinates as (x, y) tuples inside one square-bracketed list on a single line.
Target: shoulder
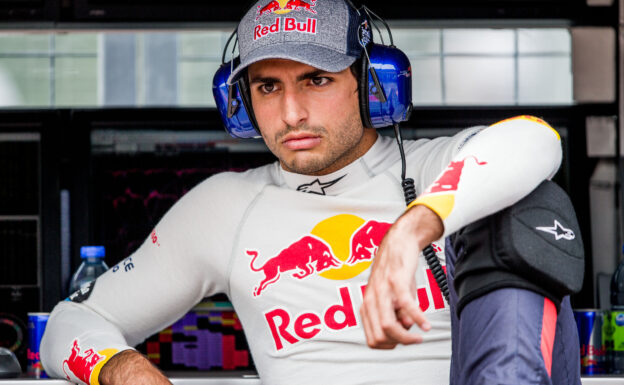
[(225, 196), (233, 184)]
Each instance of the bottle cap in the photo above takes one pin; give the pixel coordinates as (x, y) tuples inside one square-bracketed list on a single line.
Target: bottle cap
[(92, 251)]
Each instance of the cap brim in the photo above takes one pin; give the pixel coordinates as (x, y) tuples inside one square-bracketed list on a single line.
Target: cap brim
[(313, 55)]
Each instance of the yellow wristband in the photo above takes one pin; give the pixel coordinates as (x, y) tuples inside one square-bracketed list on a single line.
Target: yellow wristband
[(412, 204), (439, 204)]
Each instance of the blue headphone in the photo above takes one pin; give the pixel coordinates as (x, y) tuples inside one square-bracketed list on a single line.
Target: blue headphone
[(385, 87)]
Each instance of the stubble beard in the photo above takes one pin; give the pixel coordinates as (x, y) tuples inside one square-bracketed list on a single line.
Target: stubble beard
[(341, 149)]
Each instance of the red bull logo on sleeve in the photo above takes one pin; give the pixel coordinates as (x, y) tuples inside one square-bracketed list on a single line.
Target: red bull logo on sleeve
[(84, 366), (449, 180), (440, 196)]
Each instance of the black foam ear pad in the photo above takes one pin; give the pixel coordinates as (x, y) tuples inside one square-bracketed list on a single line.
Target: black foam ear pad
[(363, 93), (245, 92)]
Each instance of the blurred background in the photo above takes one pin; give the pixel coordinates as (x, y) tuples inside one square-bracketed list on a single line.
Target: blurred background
[(107, 118)]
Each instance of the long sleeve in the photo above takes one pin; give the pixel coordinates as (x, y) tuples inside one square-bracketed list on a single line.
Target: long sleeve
[(183, 260), (492, 169)]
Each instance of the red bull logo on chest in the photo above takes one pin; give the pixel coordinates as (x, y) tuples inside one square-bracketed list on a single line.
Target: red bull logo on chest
[(304, 257), (337, 248)]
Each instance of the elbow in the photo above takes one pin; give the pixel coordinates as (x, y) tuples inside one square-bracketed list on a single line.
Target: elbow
[(535, 141), (546, 147)]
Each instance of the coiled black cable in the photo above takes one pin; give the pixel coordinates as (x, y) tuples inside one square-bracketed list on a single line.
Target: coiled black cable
[(409, 192)]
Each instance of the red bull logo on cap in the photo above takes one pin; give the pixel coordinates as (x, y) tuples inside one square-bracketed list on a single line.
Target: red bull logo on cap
[(286, 24), (290, 24), (85, 366), (281, 7)]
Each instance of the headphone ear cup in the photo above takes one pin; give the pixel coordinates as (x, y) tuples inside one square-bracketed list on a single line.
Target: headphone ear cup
[(363, 87), (395, 79), (232, 106)]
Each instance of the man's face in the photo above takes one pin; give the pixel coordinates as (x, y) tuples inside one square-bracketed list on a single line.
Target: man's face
[(308, 118)]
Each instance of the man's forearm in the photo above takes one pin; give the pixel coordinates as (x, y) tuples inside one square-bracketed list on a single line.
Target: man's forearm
[(131, 367), (493, 170), (423, 223)]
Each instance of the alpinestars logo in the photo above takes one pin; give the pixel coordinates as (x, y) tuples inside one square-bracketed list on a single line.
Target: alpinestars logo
[(317, 187), (558, 231)]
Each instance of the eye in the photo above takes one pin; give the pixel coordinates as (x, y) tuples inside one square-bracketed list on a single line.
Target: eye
[(320, 81), (267, 88)]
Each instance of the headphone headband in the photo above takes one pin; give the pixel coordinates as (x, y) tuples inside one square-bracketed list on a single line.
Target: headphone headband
[(385, 84)]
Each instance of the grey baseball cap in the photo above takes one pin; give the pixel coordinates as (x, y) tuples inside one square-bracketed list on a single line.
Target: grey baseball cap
[(320, 33)]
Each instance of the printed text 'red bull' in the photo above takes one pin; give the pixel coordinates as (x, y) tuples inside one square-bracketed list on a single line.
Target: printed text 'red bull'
[(307, 325), (287, 330), (290, 24)]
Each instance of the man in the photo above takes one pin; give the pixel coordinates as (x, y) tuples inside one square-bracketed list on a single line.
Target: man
[(291, 243)]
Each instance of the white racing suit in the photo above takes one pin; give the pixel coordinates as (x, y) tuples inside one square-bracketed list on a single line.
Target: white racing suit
[(293, 254)]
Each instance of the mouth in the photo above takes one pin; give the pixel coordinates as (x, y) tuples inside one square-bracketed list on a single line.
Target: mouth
[(301, 141)]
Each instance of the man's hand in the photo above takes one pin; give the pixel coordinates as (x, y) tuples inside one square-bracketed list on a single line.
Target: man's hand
[(389, 307), (131, 367)]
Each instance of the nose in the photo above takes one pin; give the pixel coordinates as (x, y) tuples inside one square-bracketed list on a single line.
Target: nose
[(294, 108)]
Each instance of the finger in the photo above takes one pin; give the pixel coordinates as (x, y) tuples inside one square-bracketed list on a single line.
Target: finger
[(371, 341), (366, 323), (391, 327), (405, 319), (394, 330), (406, 303), (378, 339)]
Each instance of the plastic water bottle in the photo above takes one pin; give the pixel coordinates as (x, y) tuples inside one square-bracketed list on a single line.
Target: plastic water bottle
[(91, 267)]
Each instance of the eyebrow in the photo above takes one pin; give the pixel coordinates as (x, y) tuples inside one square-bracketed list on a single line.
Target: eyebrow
[(307, 75)]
